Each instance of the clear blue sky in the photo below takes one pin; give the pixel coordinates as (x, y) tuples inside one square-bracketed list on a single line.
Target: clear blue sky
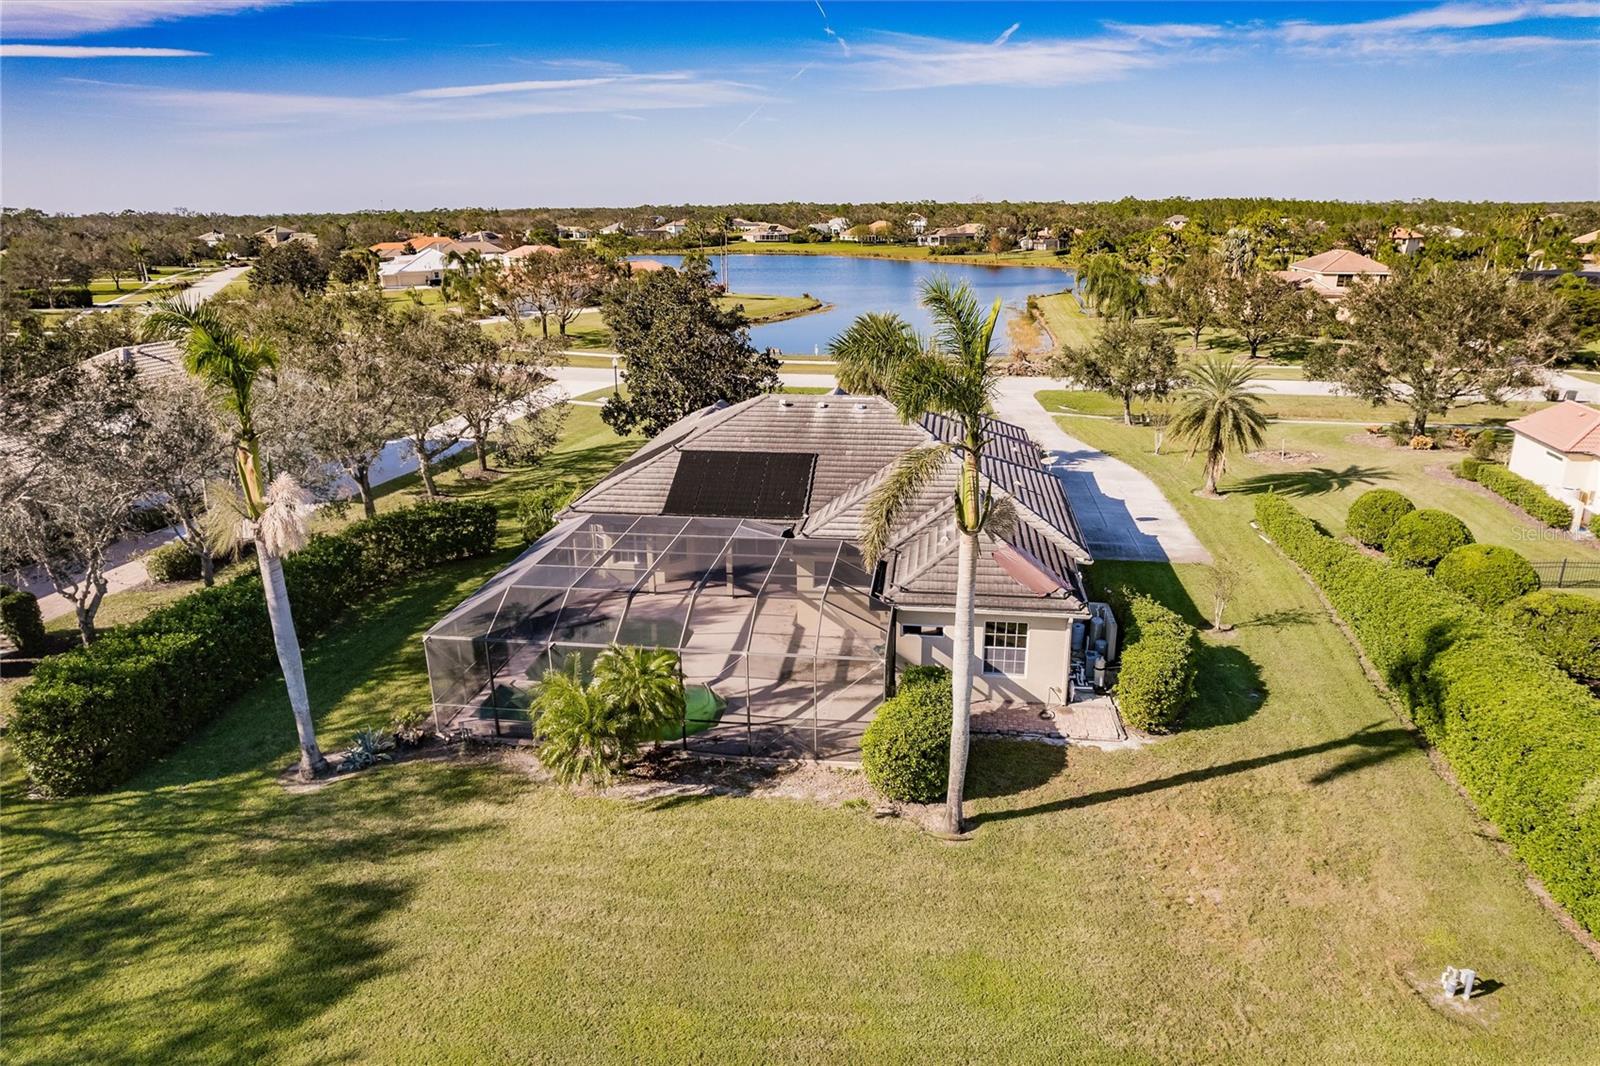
[(312, 106)]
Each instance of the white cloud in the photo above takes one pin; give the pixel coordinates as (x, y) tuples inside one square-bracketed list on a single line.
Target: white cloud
[(68, 51), (57, 19), (901, 61), (1443, 17), (459, 103)]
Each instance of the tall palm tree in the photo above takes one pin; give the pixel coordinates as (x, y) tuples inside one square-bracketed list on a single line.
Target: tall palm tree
[(230, 364), (139, 252), (1113, 287), (644, 685), (952, 374), (1217, 412), (723, 224)]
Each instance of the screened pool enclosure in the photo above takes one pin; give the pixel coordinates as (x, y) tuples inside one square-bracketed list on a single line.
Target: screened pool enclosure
[(781, 642)]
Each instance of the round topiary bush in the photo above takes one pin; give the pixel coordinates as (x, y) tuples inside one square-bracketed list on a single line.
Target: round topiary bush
[(1374, 514), (1487, 574), (1422, 538), (21, 621), (1562, 626), (173, 562), (906, 749)]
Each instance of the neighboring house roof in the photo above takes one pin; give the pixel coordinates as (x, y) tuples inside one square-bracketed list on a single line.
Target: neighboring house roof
[(649, 266), (857, 440), (426, 261), (1569, 427), (482, 247), (151, 362), (1400, 233), (969, 229), (525, 250), (1339, 261), (417, 244), (1587, 238)]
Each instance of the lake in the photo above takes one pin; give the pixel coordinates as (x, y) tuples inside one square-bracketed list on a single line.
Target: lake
[(855, 285)]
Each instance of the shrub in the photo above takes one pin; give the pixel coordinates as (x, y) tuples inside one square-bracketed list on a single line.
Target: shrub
[(536, 511), (1422, 538), (906, 749), (1374, 513), (1422, 443), (1520, 492), (1484, 445), (21, 621), (95, 716), (1521, 736), (367, 748), (1562, 626), (1487, 574), (173, 562), (1468, 468), (1155, 680)]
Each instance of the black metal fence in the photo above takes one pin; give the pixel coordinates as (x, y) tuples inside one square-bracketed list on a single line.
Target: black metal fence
[(1569, 573)]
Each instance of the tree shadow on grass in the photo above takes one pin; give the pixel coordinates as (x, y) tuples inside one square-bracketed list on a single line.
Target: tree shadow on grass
[(1007, 767), (1314, 481), (1369, 746)]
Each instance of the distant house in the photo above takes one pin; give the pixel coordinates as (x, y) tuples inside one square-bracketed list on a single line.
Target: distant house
[(950, 236), (917, 223), (820, 227), (614, 229), (211, 238), (572, 233), (273, 236), (868, 233), (487, 249), (1331, 274), (666, 230), (522, 251), (425, 268), (1406, 241), (1175, 222), (487, 235), (1559, 449), (838, 225), (396, 249), (1586, 245), (1042, 241), (766, 232)]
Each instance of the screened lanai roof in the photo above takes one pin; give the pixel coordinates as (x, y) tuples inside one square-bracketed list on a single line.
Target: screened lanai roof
[(667, 581)]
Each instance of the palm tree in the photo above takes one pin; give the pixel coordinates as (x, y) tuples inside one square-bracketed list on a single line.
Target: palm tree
[(1217, 411), (723, 224), (230, 365), (644, 686), (584, 733), (139, 252), (461, 283), (952, 375), (1112, 287)]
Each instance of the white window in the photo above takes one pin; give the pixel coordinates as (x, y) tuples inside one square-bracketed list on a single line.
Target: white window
[(912, 630), (1005, 648)]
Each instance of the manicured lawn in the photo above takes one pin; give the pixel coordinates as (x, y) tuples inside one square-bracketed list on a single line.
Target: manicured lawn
[(1066, 321), (1317, 408), (1269, 886), (134, 291)]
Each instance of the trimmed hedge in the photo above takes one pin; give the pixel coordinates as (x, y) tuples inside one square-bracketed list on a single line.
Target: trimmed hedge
[(1519, 492), (1155, 681), (21, 621), (1522, 737), (1374, 514), (95, 716), (906, 749), (1487, 574), (1562, 626), (1422, 538), (173, 562)]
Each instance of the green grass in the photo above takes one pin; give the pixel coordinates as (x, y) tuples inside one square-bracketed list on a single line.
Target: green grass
[(1316, 408), (1266, 887), (1066, 321)]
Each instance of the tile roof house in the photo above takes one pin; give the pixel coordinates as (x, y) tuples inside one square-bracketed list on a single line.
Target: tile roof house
[(427, 267), (1406, 241), (1558, 448), (395, 249), (273, 236), (1332, 273), (946, 236), (732, 536)]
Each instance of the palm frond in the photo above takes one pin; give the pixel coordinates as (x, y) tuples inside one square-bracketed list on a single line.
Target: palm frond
[(962, 330), (1001, 518), (869, 353), (915, 471), (224, 518)]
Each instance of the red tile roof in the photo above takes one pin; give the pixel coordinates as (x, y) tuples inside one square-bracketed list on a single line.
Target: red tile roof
[(1569, 427), (1339, 261)]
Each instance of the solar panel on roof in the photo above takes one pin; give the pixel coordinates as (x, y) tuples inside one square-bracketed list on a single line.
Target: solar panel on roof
[(741, 484)]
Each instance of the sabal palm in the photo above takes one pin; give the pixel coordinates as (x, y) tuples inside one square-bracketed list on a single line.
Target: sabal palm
[(584, 733), (951, 374), (1217, 412), (230, 365), (1112, 287), (644, 686)]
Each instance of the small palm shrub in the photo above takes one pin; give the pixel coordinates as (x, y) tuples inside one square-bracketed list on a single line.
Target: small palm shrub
[(1422, 538), (583, 734), (645, 686), (1155, 682), (172, 562), (906, 750), (1562, 626), (21, 621), (1374, 514), (1487, 574)]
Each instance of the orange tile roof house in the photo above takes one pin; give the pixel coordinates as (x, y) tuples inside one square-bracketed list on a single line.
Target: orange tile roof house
[(1333, 272), (392, 249), (1559, 449)]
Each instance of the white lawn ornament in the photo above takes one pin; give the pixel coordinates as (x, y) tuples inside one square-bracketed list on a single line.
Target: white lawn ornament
[(1454, 980)]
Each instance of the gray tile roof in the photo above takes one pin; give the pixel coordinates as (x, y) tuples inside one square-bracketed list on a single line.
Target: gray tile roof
[(857, 441)]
